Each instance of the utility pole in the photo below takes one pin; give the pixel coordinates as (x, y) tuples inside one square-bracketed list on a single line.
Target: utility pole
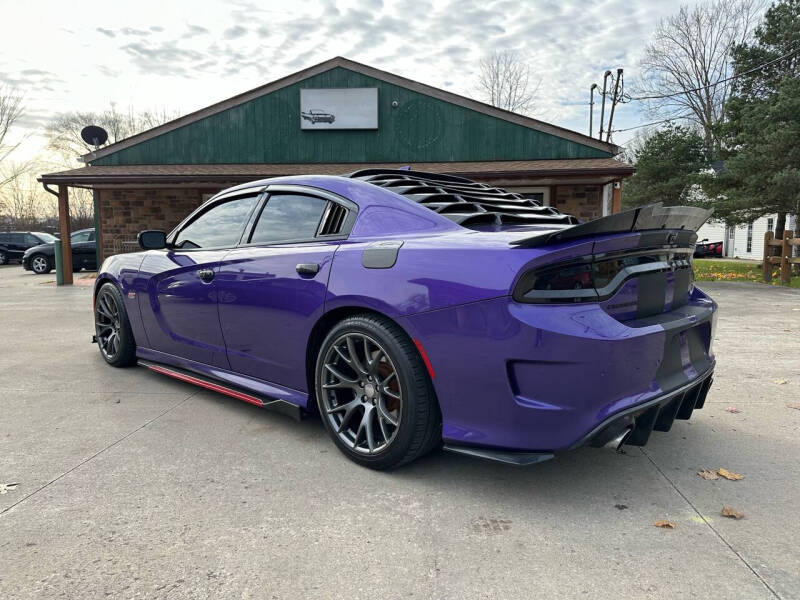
[(591, 106), (603, 106), (613, 104)]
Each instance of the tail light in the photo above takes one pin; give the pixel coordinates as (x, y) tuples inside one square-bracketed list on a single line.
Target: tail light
[(596, 278)]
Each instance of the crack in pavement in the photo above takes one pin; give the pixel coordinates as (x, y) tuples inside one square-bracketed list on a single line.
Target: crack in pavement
[(710, 526), (99, 452)]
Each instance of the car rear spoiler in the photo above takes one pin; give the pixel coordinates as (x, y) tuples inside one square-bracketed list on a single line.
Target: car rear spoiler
[(652, 217)]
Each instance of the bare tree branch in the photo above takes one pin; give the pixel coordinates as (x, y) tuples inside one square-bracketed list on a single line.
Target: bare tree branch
[(691, 50), (63, 133), (11, 109), (505, 82)]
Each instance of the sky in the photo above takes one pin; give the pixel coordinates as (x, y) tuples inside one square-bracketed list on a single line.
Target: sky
[(181, 56)]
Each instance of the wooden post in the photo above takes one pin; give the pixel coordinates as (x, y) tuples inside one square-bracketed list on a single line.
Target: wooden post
[(98, 232), (786, 254), (66, 245), (616, 198), (766, 266)]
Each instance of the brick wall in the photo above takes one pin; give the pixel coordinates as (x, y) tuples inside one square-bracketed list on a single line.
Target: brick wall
[(582, 201), (124, 213)]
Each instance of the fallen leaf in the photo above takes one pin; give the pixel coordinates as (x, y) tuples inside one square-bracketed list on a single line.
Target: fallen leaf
[(7, 487), (664, 524), (794, 405), (729, 474), (708, 474), (780, 382), (620, 506), (732, 409), (731, 513)]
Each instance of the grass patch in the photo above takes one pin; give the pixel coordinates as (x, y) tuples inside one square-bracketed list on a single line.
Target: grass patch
[(708, 269)]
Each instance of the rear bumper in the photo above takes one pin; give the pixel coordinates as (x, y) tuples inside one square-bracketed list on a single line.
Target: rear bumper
[(657, 414), (548, 378)]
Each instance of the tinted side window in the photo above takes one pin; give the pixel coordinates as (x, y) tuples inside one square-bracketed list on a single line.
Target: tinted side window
[(219, 226), (288, 217), (3, 238), (81, 236), (32, 240), (17, 238)]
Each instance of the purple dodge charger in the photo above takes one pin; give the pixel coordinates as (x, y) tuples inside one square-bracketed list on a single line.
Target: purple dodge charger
[(413, 309)]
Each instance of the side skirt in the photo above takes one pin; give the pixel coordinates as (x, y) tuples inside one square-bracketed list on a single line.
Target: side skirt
[(509, 457), (215, 385)]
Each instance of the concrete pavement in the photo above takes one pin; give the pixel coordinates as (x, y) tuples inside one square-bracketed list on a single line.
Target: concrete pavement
[(133, 485)]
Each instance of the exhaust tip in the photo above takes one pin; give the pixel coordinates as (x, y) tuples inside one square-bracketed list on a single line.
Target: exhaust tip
[(618, 440)]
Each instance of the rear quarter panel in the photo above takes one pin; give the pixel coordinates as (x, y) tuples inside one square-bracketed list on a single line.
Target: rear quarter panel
[(431, 273)]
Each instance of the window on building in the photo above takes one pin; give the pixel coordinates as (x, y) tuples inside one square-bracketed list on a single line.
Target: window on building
[(749, 237), (220, 226), (770, 224), (288, 217)]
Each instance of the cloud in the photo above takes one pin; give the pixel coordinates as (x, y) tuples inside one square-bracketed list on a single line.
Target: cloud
[(195, 30), (165, 58), (134, 32), (235, 32), (107, 32)]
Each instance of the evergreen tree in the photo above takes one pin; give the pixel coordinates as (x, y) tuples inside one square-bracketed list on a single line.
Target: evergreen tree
[(761, 136), (668, 164)]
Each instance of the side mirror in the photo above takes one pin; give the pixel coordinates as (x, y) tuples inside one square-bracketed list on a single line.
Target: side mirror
[(152, 239)]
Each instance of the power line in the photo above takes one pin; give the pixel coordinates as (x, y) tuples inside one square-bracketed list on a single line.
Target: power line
[(652, 123), (721, 81)]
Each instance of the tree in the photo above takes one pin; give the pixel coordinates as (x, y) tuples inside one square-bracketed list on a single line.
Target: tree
[(760, 136), (63, 135), (669, 164), (505, 82), (689, 53), (63, 132), (10, 111)]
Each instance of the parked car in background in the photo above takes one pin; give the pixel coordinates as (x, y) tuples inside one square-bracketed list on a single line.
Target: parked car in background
[(41, 259), (13, 244), (706, 249)]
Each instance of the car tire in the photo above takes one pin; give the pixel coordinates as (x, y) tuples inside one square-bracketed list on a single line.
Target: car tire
[(3, 258), (41, 264), (112, 327), (379, 408)]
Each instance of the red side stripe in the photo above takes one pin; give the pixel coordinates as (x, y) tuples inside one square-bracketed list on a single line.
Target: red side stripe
[(206, 384), (424, 356)]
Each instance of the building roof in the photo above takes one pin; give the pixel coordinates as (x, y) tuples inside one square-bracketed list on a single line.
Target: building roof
[(339, 61), (240, 173)]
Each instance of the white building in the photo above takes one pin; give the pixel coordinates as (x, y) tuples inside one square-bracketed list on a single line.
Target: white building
[(743, 241)]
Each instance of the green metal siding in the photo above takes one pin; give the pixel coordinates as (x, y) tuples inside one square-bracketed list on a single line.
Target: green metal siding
[(420, 129)]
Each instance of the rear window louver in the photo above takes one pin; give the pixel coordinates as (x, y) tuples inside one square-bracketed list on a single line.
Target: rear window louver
[(333, 219), (466, 202)]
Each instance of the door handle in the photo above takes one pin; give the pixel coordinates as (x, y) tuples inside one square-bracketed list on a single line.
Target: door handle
[(207, 275), (307, 268)]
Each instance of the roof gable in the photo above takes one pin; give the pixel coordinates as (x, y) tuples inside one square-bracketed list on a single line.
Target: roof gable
[(428, 124)]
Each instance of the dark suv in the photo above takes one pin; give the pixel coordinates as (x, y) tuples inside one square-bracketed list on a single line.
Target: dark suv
[(42, 258), (13, 244)]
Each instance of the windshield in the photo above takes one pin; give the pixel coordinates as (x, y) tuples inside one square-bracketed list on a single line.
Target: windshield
[(46, 237)]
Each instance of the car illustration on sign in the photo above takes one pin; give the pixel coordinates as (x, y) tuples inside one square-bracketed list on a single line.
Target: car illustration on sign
[(411, 310), (318, 116)]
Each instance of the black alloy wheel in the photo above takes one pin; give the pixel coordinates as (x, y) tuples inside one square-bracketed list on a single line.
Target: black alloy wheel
[(374, 393), (112, 328)]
